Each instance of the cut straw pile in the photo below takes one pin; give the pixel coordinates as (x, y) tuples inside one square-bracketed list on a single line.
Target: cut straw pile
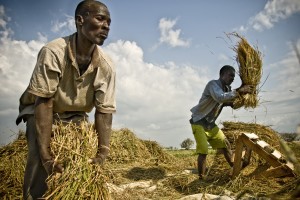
[(127, 148), (250, 71), (133, 160), (12, 166), (73, 146), (233, 130)]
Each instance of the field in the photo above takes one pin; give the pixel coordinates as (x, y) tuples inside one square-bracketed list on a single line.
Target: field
[(141, 169)]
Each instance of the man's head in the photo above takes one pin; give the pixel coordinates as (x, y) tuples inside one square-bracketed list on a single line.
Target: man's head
[(92, 20), (227, 74)]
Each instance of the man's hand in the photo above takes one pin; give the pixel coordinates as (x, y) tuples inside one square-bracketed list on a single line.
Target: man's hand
[(244, 89), (52, 167), (103, 123)]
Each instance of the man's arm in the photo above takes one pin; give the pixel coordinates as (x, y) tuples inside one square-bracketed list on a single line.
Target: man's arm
[(220, 96), (244, 89), (103, 123), (44, 118)]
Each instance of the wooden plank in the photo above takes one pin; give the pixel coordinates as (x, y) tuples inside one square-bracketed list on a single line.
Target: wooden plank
[(247, 157), (290, 165), (261, 152), (275, 172), (276, 154), (262, 144), (251, 135), (237, 165)]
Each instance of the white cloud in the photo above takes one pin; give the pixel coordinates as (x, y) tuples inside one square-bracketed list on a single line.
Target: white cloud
[(223, 57), (42, 38), (17, 60), (68, 25), (287, 70), (273, 12), (5, 32), (154, 100), (153, 126), (169, 35)]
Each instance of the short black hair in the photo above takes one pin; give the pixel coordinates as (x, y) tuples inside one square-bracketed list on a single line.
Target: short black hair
[(226, 68), (84, 7)]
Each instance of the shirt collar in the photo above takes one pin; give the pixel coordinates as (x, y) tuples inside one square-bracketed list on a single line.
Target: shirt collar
[(96, 56), (226, 88)]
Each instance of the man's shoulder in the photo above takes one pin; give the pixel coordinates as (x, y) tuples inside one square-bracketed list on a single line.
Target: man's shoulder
[(58, 44), (213, 82), (106, 58), (213, 85)]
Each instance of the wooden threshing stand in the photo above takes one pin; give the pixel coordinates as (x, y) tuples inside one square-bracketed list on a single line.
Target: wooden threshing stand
[(248, 142)]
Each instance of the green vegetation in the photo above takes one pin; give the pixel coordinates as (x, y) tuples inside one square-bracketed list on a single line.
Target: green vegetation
[(187, 144)]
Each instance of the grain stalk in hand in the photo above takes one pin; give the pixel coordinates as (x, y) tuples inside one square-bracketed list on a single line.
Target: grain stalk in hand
[(249, 60)]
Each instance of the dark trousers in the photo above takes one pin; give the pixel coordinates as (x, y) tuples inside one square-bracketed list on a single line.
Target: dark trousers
[(35, 174)]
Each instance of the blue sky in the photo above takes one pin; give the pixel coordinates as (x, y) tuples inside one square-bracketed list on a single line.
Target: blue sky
[(165, 52)]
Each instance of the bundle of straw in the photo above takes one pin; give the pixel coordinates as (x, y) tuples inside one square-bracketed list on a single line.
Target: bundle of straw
[(250, 71), (12, 164), (73, 146)]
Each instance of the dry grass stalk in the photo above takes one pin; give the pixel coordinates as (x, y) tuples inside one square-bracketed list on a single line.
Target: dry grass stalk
[(249, 60), (12, 166), (74, 145), (126, 148), (151, 163), (233, 130)]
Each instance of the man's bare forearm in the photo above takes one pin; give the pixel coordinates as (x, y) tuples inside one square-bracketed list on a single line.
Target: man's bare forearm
[(103, 123), (44, 119)]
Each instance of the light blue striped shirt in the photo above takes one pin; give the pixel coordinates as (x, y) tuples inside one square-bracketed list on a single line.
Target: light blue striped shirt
[(212, 96)]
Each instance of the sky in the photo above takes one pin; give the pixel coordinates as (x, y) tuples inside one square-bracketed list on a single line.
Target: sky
[(164, 52)]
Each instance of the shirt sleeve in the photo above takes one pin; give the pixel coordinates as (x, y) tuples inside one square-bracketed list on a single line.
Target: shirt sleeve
[(45, 77), (219, 95), (105, 101)]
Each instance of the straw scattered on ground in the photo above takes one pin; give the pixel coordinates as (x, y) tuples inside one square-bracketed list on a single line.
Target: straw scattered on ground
[(140, 169)]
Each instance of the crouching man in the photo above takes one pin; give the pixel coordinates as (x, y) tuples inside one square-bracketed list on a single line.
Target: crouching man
[(71, 77)]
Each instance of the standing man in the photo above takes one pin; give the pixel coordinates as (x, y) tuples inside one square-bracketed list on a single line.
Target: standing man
[(215, 96), (71, 77)]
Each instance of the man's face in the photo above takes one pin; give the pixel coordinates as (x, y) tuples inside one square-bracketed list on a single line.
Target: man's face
[(95, 26), (228, 77)]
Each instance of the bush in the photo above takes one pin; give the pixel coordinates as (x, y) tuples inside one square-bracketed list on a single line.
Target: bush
[(187, 144)]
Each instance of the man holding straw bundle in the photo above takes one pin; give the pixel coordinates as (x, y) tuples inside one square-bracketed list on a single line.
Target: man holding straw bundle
[(71, 77), (216, 95)]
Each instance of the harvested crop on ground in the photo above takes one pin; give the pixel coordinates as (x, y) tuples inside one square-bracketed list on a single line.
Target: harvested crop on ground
[(12, 166), (245, 182), (141, 169), (127, 148), (73, 146), (233, 129), (249, 60)]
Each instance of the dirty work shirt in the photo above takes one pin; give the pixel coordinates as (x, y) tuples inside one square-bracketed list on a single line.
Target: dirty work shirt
[(56, 75), (211, 103)]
